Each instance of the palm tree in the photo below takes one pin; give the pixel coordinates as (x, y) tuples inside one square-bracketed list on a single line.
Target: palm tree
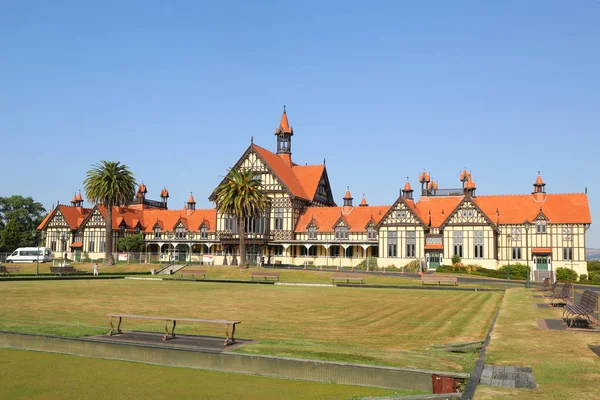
[(240, 195), (111, 184)]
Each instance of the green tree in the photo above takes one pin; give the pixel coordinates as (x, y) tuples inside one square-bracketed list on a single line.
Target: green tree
[(27, 214), (131, 243), (11, 236), (111, 184), (240, 195)]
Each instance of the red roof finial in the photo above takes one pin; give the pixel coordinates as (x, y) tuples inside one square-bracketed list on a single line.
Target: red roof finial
[(191, 199), (348, 195)]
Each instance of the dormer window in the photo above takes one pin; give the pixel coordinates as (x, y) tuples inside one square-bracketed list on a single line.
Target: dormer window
[(180, 232), (468, 212), (122, 230), (540, 226), (341, 232), (138, 229), (371, 233), (157, 232), (203, 232), (401, 214), (312, 232)]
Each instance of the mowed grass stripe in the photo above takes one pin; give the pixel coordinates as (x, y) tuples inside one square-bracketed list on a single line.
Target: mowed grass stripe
[(343, 324)]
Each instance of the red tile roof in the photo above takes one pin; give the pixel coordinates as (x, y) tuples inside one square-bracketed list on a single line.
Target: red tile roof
[(434, 246), (77, 244), (407, 187), (470, 184), (191, 199), (424, 177), (465, 175), (539, 181), (309, 177), (326, 217), (79, 198)]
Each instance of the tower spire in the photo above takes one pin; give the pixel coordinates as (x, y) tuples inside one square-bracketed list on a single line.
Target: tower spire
[(284, 135)]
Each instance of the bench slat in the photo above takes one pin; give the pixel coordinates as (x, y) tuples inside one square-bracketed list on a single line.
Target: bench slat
[(209, 321)]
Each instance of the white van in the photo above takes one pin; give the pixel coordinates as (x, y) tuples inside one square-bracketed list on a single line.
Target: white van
[(30, 254)]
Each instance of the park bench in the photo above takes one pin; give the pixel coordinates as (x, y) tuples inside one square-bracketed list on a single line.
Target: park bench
[(563, 294), (585, 309), (347, 277), (434, 278), (63, 270), (228, 339), (545, 285), (193, 273), (551, 290), (264, 275), (8, 270)]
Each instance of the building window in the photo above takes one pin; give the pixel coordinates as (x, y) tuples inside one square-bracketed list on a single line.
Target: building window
[(540, 227), (157, 232), (102, 244), (371, 233), (567, 233), (312, 251), (91, 243), (516, 253), (568, 253), (138, 229), (458, 243), (411, 244), (254, 225), (478, 242), (180, 232), (278, 250), (58, 218), (334, 251), (278, 216), (203, 232), (97, 218), (312, 232), (468, 212), (401, 214), (392, 243), (53, 241), (122, 230), (341, 232)]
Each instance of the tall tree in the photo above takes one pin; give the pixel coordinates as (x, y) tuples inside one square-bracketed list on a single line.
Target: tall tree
[(109, 183), (27, 215), (240, 195), (11, 237)]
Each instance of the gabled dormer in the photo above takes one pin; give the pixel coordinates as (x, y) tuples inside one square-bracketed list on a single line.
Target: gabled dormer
[(312, 229), (541, 222), (341, 229), (467, 212), (400, 214), (204, 228), (157, 229), (180, 228), (371, 229)]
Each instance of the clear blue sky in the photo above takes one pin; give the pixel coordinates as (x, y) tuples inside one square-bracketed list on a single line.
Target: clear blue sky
[(382, 90)]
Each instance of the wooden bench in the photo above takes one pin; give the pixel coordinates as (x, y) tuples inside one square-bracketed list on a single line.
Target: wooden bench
[(63, 270), (228, 339), (551, 290), (194, 272), (438, 279), (8, 270), (264, 275), (564, 294), (585, 309), (347, 277), (545, 286)]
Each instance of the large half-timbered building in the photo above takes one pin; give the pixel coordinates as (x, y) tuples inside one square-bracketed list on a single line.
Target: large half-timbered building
[(304, 225)]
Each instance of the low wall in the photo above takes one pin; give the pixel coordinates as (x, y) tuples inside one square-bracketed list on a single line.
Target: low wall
[(274, 367)]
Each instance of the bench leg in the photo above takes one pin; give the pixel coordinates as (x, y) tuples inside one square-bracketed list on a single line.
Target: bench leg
[(229, 339), (166, 331), (112, 328)]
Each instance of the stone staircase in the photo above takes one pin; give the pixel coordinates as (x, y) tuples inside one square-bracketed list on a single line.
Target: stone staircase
[(170, 269)]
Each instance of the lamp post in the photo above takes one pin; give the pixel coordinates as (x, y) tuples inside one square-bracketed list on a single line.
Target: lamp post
[(37, 252), (508, 237), (63, 239), (527, 226)]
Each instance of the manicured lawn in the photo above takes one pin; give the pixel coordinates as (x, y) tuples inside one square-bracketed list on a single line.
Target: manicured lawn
[(28, 375), (563, 365), (373, 326), (44, 268)]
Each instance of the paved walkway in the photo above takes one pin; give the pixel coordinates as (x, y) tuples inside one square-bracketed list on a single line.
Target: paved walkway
[(512, 377)]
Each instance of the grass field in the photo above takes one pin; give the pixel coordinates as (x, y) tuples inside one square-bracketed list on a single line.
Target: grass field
[(32, 375), (563, 365), (372, 326)]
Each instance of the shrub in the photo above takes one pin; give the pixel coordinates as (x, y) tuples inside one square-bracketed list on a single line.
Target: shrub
[(413, 266), (593, 265), (369, 264), (456, 259), (565, 274), (517, 271), (583, 277), (470, 268), (594, 276)]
